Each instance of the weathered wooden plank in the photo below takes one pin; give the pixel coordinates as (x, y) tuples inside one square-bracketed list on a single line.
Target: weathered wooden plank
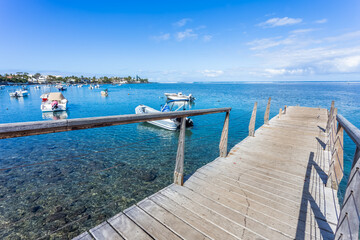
[(169, 220), (193, 219), (252, 121), (127, 228), (104, 231), (228, 225), (179, 164), (267, 112), (83, 236), (10, 130), (224, 136), (149, 224), (241, 218)]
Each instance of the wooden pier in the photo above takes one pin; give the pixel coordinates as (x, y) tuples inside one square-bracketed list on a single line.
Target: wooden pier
[(272, 185), (278, 183)]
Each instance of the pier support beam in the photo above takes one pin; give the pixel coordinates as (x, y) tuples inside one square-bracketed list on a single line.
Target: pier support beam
[(267, 112), (224, 136), (179, 165), (280, 112), (252, 121)]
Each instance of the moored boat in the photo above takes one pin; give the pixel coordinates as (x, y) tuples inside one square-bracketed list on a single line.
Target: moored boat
[(61, 87), (19, 93), (53, 101), (179, 96), (169, 124), (105, 93)]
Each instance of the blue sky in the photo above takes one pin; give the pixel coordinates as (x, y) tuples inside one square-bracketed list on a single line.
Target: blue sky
[(170, 41)]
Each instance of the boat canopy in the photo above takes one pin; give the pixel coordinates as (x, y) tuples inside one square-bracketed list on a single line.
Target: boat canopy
[(55, 96)]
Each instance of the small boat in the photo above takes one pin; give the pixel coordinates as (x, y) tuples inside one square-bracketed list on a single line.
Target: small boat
[(79, 86), (97, 86), (105, 93), (37, 87), (169, 124), (19, 93), (179, 96), (52, 102), (91, 87), (61, 87)]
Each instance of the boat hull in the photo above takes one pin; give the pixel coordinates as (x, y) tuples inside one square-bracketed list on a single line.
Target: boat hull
[(46, 107), (168, 124)]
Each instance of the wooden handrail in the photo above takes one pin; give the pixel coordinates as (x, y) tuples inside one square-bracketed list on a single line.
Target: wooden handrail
[(348, 222), (350, 129), (11, 130)]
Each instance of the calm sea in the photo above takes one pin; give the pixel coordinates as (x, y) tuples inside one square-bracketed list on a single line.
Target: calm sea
[(78, 179)]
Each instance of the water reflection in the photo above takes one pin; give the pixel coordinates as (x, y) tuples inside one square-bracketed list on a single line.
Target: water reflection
[(55, 115)]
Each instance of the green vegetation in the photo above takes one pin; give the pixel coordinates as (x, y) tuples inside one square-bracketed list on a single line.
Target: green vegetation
[(24, 77)]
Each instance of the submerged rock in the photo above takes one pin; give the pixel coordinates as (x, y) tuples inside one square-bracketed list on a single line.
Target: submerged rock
[(58, 209), (147, 176), (56, 216), (35, 209)]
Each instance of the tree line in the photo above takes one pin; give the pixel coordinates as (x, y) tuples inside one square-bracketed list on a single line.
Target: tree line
[(24, 77)]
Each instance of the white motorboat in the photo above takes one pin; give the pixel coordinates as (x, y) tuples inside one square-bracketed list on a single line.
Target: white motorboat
[(97, 86), (169, 124), (179, 96), (79, 86), (52, 102), (105, 93), (37, 87), (19, 93), (91, 87), (61, 87)]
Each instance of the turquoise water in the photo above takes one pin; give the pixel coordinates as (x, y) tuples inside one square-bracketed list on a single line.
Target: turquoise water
[(62, 184)]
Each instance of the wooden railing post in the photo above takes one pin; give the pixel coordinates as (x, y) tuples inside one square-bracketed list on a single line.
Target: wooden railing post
[(280, 112), (337, 156), (179, 165), (252, 121), (285, 109), (267, 112), (224, 136), (330, 116)]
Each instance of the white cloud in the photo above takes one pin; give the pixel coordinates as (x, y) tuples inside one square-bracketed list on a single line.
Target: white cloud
[(264, 43), (301, 55), (300, 31), (212, 73), (162, 37), (283, 71), (182, 22), (207, 38), (188, 33), (276, 22), (321, 21)]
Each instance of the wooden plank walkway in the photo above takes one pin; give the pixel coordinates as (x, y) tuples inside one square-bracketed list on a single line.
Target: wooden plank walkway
[(271, 186)]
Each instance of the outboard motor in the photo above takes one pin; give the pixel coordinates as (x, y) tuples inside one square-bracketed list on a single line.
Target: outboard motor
[(54, 105)]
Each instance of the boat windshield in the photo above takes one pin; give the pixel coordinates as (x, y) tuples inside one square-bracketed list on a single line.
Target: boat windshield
[(172, 104)]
